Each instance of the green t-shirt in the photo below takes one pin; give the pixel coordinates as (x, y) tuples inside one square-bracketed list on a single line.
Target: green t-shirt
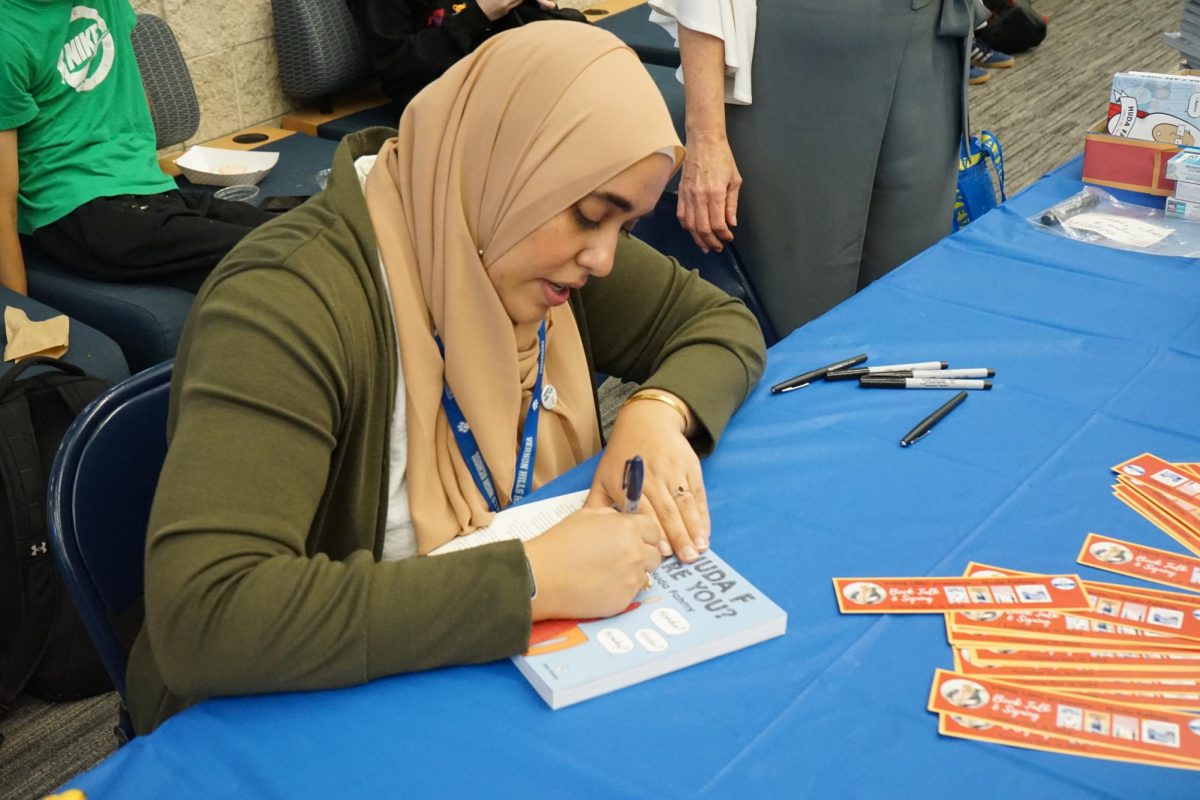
[(70, 86)]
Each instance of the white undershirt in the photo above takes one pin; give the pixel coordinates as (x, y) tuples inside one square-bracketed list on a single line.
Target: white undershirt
[(732, 21), (399, 538)]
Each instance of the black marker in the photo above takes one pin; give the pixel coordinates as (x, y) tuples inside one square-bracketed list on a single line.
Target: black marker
[(962, 372), (847, 374), (800, 381), (926, 425), (1056, 215), (891, 382)]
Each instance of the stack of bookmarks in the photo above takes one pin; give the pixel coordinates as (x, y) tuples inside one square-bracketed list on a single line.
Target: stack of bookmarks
[(1056, 663)]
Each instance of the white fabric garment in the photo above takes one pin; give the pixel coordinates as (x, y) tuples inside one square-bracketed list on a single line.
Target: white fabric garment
[(399, 538), (732, 21)]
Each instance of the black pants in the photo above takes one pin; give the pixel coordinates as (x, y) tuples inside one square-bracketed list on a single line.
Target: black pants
[(172, 238)]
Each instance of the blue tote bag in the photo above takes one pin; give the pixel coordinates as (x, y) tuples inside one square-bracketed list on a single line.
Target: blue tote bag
[(976, 193)]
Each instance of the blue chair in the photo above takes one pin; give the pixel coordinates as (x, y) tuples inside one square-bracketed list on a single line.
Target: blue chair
[(662, 231), (143, 319), (101, 486), (672, 92), (651, 42), (88, 348)]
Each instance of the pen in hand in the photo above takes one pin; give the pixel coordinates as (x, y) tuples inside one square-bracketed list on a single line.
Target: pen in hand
[(635, 473)]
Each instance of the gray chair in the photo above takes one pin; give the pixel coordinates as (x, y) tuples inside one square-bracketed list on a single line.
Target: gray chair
[(174, 108), (320, 48), (661, 230), (144, 319)]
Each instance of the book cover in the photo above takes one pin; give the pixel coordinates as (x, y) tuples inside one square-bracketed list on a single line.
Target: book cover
[(1155, 108), (690, 613)]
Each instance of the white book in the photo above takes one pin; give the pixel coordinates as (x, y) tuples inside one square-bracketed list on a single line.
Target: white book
[(1188, 192), (690, 613)]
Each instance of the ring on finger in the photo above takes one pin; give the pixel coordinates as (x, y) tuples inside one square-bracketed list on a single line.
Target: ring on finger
[(679, 491)]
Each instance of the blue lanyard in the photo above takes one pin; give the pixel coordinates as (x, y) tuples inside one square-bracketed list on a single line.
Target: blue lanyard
[(470, 448)]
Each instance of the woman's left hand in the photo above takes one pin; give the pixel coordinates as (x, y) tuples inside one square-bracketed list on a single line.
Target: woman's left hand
[(673, 489)]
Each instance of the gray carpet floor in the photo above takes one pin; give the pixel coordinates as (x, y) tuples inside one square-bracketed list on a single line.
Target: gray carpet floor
[(1039, 109)]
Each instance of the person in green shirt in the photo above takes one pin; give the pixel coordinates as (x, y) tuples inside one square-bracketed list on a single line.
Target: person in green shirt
[(412, 350), (78, 169)]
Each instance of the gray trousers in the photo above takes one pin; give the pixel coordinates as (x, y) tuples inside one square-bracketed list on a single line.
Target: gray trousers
[(849, 151)]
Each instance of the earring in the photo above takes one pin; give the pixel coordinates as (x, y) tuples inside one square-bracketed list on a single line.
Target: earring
[(481, 252)]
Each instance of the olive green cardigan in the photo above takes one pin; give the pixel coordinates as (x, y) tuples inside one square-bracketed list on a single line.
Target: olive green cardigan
[(262, 557)]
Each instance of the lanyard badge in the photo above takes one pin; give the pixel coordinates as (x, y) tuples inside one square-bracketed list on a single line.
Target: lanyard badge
[(526, 458)]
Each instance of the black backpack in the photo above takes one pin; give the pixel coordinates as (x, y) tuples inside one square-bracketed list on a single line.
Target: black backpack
[(44, 648), (1015, 28)]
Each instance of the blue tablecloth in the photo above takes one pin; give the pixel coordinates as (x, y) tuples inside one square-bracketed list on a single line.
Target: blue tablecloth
[(1097, 354)]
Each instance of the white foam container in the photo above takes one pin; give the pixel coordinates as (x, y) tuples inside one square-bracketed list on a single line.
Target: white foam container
[(216, 166)]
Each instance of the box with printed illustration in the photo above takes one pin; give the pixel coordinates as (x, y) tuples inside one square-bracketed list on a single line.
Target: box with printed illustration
[(1155, 108), (1149, 120)]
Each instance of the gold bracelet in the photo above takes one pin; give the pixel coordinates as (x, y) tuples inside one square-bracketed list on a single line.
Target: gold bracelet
[(663, 397)]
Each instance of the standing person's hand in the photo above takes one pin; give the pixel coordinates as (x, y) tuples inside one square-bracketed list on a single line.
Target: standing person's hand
[(495, 9), (708, 192), (709, 185)]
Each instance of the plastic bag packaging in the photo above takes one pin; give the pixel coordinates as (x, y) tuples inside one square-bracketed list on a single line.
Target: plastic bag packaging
[(1096, 217)]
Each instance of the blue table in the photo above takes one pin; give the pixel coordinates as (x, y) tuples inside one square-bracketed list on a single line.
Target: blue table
[(1097, 355), (387, 115), (300, 158)]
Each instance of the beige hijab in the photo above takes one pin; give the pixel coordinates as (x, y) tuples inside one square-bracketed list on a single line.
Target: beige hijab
[(510, 136)]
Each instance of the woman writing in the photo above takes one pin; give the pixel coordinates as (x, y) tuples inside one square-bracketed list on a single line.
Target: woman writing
[(335, 362)]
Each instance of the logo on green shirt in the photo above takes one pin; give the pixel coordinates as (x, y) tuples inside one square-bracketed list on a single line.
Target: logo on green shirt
[(87, 57)]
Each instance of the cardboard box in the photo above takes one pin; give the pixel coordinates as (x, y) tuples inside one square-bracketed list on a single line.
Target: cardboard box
[(1189, 192), (1130, 164), (1182, 208), (1126, 163), (1185, 166)]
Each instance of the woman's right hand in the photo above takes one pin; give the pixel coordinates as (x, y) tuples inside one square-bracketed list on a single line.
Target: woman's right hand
[(708, 192), (593, 563)]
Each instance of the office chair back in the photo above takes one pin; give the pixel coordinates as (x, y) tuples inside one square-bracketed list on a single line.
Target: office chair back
[(101, 486), (174, 108), (662, 231), (320, 47)]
